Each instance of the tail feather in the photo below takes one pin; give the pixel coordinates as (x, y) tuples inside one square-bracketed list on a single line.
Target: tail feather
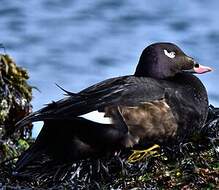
[(31, 154)]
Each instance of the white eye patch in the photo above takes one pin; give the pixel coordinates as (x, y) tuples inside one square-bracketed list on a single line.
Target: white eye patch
[(171, 54)]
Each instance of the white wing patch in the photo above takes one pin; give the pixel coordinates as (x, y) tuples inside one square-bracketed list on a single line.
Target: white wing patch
[(98, 117), (217, 149), (171, 54)]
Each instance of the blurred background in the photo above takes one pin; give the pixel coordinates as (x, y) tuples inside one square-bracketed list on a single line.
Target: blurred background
[(78, 43)]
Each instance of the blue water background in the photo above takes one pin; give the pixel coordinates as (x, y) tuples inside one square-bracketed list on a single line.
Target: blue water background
[(78, 43)]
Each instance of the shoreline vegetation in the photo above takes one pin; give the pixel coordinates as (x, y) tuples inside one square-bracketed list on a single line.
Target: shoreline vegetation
[(193, 165)]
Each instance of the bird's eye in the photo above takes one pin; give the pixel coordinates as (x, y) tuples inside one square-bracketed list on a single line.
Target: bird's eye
[(171, 54)]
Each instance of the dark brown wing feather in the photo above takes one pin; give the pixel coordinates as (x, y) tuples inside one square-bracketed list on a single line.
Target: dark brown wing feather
[(151, 121)]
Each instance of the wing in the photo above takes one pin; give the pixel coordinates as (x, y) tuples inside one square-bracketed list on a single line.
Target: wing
[(125, 91)]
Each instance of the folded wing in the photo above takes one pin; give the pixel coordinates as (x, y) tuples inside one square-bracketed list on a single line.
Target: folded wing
[(125, 91)]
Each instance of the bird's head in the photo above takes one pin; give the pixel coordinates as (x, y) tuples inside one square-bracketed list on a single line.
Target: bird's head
[(164, 60)]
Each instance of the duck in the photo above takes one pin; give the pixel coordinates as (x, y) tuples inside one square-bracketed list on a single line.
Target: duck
[(162, 101)]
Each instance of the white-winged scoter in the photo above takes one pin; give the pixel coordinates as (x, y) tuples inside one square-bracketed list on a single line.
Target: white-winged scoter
[(163, 100)]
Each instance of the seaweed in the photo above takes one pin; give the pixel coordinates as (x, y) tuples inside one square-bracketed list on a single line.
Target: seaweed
[(15, 98)]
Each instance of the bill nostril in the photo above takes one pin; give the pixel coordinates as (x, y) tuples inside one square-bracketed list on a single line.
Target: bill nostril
[(196, 65)]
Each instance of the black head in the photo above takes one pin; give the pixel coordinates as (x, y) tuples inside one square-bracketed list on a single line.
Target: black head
[(163, 60)]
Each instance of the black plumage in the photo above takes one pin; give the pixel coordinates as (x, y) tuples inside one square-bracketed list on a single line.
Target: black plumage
[(162, 101)]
